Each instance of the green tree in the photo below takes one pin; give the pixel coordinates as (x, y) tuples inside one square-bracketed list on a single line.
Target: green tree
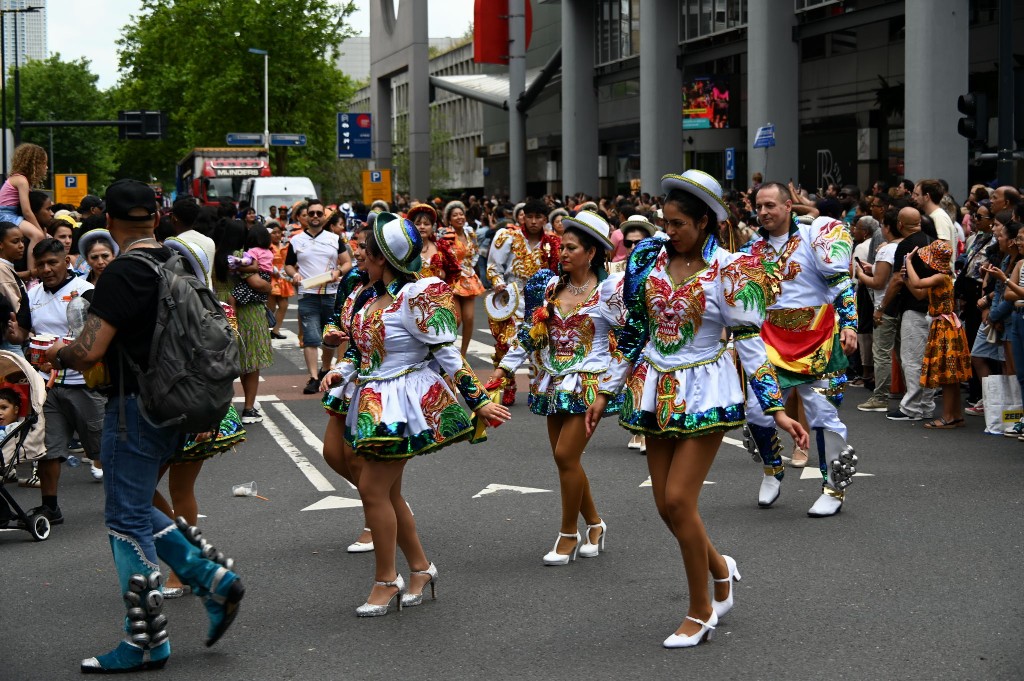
[(440, 153), (191, 59), (55, 90)]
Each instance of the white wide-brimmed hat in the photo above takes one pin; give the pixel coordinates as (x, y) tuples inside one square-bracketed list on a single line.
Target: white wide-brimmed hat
[(593, 224), (701, 185), (400, 242), (86, 241), (193, 254), (501, 305), (637, 222)]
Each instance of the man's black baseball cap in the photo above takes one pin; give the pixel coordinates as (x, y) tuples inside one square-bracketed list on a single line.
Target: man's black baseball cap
[(125, 196)]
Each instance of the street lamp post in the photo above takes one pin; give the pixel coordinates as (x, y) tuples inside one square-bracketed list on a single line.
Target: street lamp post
[(3, 79), (266, 96)]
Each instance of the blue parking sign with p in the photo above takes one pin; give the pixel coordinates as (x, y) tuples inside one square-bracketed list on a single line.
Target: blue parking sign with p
[(70, 182), (375, 176)]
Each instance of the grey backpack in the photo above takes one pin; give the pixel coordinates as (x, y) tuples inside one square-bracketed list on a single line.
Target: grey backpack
[(193, 360)]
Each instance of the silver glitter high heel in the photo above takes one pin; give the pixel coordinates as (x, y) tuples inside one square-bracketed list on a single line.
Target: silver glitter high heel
[(555, 558), (370, 610), (412, 600), (722, 607)]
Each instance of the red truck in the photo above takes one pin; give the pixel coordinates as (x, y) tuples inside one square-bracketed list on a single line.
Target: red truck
[(212, 174)]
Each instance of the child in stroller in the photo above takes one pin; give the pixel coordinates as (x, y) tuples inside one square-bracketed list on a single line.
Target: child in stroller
[(22, 393)]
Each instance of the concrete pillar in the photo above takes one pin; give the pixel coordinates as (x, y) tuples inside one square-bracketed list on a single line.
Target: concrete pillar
[(661, 124), (773, 68), (579, 99), (936, 61), (382, 112), (516, 86), (419, 107)]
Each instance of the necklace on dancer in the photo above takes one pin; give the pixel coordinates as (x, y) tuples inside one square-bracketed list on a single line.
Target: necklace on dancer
[(578, 290)]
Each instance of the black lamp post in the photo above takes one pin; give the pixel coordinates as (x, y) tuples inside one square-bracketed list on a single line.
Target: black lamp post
[(17, 80)]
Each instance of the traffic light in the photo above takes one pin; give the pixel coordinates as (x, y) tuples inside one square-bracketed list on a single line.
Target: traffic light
[(974, 124)]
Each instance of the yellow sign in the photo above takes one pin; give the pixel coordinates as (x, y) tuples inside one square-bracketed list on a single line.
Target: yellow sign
[(70, 188), (377, 186)]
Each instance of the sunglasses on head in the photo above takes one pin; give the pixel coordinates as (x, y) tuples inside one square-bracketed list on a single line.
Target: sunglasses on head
[(315, 213)]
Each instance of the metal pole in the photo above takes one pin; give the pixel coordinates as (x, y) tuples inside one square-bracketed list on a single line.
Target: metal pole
[(516, 86), (53, 177), (17, 84), (1004, 166), (266, 103), (3, 88)]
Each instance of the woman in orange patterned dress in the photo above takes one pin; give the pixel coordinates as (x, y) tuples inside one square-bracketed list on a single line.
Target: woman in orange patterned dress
[(281, 289), (466, 249), (947, 357)]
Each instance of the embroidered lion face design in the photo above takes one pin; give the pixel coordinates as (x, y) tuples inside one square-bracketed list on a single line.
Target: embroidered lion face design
[(571, 339), (676, 313)]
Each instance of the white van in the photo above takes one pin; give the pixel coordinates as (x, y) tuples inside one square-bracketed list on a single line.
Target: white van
[(264, 192)]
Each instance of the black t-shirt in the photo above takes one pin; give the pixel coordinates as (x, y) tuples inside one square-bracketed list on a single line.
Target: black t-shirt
[(125, 298), (906, 300)]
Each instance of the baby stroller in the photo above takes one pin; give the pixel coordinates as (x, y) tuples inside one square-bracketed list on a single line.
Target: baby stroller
[(23, 441)]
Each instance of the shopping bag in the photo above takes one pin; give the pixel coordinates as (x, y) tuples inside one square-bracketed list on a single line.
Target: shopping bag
[(1001, 395)]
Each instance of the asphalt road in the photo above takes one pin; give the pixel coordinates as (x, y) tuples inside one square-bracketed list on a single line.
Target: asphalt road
[(919, 577)]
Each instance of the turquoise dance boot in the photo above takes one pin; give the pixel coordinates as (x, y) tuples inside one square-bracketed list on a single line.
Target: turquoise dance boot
[(146, 645), (206, 570)]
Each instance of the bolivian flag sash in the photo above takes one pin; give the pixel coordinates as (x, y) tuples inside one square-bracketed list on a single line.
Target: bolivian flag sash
[(800, 341)]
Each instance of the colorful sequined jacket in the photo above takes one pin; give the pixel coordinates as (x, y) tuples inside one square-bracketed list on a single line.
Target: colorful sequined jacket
[(443, 264), (351, 282), (574, 342), (815, 268), (511, 259), (675, 327), (470, 251), (416, 329)]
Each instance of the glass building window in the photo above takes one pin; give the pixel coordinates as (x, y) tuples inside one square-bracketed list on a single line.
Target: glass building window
[(618, 30), (703, 18), (804, 5)]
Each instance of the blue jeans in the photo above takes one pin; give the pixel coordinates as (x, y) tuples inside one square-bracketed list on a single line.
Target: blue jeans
[(314, 312), (131, 468)]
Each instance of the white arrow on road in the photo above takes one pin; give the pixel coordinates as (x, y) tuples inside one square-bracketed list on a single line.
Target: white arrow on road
[(815, 472), (492, 488), (647, 482), (327, 503)]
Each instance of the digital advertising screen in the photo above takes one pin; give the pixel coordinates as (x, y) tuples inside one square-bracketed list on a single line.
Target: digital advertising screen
[(706, 103)]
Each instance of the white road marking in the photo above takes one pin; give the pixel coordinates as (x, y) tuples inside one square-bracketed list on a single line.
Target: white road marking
[(809, 472), (315, 477), (307, 435), (263, 398), (239, 380), (647, 482), (328, 503), (734, 442), (493, 487)]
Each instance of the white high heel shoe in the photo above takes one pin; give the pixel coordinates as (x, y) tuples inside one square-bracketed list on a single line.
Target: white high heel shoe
[(589, 550), (722, 607), (361, 546), (412, 600), (706, 633), (555, 558), (370, 610)]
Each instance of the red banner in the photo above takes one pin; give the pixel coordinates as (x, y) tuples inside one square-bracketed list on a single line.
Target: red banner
[(490, 30)]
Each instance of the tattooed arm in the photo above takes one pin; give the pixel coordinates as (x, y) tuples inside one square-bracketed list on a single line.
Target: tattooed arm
[(88, 348)]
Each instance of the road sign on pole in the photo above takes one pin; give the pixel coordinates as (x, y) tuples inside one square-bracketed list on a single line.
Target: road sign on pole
[(278, 139), (355, 132), (70, 188), (730, 163), (245, 139), (376, 185), (765, 137)]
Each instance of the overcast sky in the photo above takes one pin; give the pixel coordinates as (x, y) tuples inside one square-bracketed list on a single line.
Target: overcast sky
[(90, 29)]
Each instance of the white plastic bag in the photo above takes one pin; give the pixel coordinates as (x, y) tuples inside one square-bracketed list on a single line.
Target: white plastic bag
[(1001, 395)]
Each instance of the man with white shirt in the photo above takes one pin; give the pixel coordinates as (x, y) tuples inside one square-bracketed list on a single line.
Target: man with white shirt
[(315, 251), (927, 195), (70, 405)]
